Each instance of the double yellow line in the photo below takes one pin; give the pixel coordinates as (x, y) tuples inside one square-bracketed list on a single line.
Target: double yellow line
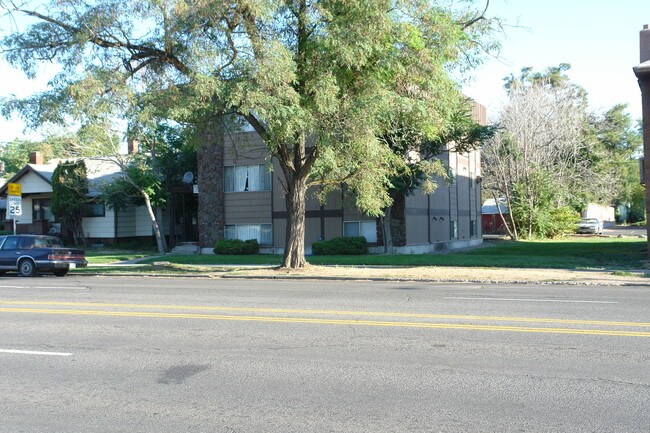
[(277, 315)]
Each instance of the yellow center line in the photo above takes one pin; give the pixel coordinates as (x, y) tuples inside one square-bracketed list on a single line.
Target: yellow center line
[(376, 323), (331, 313)]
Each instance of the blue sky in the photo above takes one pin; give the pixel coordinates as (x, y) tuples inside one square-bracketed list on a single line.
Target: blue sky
[(599, 38)]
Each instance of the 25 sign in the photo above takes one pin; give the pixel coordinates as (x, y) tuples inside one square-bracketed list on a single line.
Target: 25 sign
[(14, 205)]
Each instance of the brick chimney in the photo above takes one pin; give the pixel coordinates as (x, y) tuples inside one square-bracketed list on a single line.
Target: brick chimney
[(36, 158), (644, 44), (132, 146)]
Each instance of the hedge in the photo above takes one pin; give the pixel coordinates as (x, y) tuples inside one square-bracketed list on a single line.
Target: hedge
[(341, 247), (236, 247)]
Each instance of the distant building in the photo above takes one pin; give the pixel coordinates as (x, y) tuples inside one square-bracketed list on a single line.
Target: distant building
[(100, 224), (491, 219)]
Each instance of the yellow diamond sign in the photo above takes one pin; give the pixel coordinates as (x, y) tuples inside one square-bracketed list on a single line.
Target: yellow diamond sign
[(14, 189)]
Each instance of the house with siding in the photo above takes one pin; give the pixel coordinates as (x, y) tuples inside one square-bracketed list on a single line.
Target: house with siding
[(100, 224), (254, 204)]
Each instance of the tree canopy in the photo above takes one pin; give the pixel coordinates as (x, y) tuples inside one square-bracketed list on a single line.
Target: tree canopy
[(326, 83), (70, 197)]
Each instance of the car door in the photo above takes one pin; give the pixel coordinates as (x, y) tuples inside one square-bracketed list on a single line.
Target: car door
[(9, 252)]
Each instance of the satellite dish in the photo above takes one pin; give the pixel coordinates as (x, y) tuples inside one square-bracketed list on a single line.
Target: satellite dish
[(188, 177)]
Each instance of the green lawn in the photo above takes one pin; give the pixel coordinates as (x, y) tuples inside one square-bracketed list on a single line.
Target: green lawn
[(104, 256), (570, 253)]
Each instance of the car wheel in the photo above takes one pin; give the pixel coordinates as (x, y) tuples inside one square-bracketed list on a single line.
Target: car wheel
[(26, 268), (60, 272)]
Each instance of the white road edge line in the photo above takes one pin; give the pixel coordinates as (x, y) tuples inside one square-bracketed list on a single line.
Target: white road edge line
[(531, 300), (46, 287), (31, 352)]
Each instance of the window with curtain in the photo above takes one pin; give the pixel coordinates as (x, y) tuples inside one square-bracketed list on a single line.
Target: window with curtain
[(241, 178), (262, 232)]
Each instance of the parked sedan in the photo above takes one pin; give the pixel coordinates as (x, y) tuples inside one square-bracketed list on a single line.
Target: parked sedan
[(590, 225), (29, 254)]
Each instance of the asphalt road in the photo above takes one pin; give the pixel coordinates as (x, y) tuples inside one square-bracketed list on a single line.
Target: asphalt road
[(625, 231), (89, 354)]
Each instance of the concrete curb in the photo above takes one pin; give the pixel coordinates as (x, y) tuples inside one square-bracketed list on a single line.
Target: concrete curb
[(611, 283)]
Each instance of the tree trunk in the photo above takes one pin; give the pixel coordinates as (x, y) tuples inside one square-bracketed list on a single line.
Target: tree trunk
[(159, 217), (210, 182), (160, 240), (76, 227), (386, 231), (511, 231), (294, 251), (394, 223)]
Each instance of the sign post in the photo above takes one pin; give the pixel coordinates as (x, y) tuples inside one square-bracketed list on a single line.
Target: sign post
[(14, 201)]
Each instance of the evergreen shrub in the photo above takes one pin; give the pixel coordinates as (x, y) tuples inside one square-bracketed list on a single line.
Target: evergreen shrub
[(347, 246), (237, 247)]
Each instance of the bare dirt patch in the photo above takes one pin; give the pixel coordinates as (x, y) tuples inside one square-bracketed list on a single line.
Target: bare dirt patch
[(437, 273)]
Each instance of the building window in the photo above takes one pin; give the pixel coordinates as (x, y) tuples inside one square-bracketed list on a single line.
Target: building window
[(453, 229), (367, 229), (41, 209), (95, 210), (240, 178), (451, 173), (263, 233), (472, 229)]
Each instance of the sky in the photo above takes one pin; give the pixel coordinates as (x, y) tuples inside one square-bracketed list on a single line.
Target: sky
[(598, 38)]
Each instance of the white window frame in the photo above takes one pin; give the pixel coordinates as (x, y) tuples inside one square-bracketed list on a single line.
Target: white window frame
[(246, 178), (236, 231), (371, 227)]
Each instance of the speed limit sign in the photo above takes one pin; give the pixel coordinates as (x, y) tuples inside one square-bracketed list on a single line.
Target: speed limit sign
[(14, 205)]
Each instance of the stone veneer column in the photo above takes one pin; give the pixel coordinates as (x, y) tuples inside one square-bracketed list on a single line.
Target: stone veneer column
[(210, 182)]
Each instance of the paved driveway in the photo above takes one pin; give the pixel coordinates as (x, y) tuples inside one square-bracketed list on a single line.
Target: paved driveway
[(624, 231)]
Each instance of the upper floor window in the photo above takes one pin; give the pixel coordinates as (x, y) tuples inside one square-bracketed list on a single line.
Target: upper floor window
[(451, 175), (239, 178)]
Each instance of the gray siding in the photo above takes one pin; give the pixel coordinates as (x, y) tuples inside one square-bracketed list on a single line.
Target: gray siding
[(248, 207)]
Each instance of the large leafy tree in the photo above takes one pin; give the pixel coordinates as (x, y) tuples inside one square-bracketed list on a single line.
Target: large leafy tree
[(615, 144), (552, 156), (145, 176), (323, 82), (538, 160), (70, 197)]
